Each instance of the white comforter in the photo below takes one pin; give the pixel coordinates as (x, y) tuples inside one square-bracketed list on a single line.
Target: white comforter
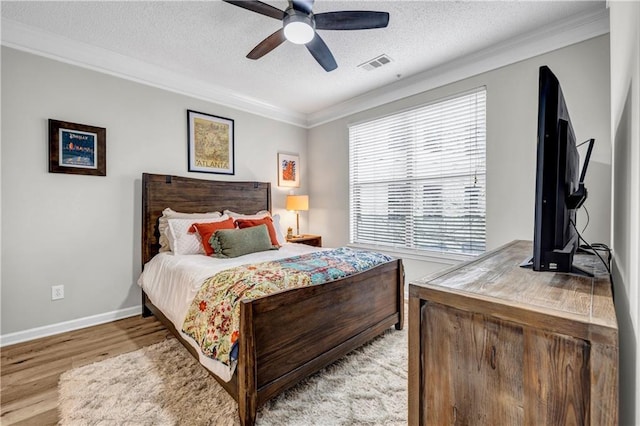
[(171, 282)]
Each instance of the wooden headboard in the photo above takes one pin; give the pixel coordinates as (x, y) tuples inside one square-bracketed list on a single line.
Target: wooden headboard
[(191, 195)]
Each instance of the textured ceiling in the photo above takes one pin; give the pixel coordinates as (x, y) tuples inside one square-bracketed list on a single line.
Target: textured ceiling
[(207, 41)]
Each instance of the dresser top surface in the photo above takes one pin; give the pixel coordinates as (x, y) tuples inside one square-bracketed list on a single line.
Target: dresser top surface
[(497, 276)]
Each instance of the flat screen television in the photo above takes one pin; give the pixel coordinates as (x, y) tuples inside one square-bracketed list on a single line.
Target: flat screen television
[(560, 189)]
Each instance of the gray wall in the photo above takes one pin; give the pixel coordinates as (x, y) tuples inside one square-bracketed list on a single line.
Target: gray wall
[(625, 133), (84, 231), (512, 91)]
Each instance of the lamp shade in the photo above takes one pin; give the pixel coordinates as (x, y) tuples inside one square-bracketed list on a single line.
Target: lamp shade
[(297, 202)]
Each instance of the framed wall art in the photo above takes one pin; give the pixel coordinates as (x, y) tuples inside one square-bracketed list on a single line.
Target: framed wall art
[(77, 148), (210, 145), (288, 170)]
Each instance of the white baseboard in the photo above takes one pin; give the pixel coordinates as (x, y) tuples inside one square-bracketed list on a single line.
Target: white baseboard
[(61, 327)]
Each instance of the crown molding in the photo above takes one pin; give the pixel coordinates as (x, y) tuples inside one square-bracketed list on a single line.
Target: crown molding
[(29, 39), (39, 42), (546, 39)]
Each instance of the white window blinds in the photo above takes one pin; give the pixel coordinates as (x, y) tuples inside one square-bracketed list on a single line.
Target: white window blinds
[(417, 178)]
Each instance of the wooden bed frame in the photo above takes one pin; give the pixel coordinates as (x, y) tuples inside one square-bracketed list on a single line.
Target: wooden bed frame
[(286, 336)]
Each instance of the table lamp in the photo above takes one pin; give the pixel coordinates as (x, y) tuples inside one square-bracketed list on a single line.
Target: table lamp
[(297, 203)]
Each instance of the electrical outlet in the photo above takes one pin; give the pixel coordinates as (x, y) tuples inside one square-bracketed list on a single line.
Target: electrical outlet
[(57, 292)]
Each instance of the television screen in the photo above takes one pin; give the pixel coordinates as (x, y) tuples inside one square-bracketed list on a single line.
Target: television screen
[(560, 187)]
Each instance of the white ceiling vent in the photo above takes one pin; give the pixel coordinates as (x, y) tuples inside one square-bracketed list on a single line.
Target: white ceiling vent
[(375, 63)]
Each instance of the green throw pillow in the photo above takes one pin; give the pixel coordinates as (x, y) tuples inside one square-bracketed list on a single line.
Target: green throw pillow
[(238, 242)]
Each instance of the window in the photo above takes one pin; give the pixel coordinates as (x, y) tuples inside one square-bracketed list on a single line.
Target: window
[(417, 178)]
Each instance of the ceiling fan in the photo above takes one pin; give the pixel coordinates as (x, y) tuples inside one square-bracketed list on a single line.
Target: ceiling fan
[(299, 25)]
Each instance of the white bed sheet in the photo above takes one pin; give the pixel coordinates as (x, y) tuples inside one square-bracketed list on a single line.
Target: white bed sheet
[(171, 282)]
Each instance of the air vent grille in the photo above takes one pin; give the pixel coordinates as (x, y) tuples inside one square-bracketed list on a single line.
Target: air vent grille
[(375, 63)]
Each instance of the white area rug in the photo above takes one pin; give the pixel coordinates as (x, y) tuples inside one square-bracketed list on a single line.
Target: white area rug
[(163, 385)]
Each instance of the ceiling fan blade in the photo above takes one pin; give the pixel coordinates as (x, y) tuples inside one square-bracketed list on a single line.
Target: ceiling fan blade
[(302, 5), (351, 20), (318, 48), (267, 45), (258, 7)]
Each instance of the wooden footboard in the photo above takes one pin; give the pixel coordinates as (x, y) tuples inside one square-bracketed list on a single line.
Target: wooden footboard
[(287, 336)]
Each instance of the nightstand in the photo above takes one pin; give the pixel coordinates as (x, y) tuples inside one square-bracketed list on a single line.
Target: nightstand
[(308, 239)]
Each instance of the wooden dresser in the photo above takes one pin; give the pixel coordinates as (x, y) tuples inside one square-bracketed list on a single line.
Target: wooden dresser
[(491, 343)]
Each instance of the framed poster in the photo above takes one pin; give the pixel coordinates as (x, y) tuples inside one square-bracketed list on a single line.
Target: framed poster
[(288, 170), (210, 144), (77, 149)]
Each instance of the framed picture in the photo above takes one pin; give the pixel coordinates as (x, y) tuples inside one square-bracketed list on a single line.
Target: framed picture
[(288, 170), (210, 143), (77, 149)]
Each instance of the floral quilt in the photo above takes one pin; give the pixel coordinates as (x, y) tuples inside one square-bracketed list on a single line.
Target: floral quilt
[(213, 319)]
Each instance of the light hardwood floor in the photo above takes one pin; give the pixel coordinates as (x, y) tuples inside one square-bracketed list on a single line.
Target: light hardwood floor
[(29, 371)]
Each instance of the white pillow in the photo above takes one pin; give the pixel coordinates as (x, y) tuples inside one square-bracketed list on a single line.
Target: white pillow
[(181, 241), (259, 215), (172, 214), (279, 234)]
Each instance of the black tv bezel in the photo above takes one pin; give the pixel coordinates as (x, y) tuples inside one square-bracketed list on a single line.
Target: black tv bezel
[(559, 192)]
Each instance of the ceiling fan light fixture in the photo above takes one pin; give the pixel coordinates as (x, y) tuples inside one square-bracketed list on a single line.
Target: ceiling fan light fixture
[(299, 25), (298, 28)]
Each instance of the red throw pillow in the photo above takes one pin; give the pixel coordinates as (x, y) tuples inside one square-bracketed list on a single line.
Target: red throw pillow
[(206, 230), (248, 223)]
